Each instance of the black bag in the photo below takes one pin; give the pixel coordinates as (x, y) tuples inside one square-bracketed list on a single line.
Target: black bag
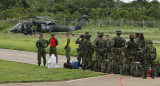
[(67, 65), (157, 67)]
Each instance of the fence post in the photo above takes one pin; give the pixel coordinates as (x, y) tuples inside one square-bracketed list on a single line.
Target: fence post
[(110, 22), (7, 19), (143, 23), (154, 23), (64, 21), (98, 23), (132, 23), (121, 23)]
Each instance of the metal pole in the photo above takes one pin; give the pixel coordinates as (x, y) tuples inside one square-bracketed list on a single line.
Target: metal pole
[(154, 23), (143, 23), (110, 22), (121, 23)]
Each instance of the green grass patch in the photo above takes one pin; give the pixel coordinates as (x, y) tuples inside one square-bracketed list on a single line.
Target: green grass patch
[(19, 72)]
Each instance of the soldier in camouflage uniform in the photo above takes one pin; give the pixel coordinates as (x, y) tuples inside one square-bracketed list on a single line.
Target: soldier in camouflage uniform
[(68, 47), (141, 46), (117, 50), (41, 44), (89, 51), (130, 53), (81, 49), (100, 47), (108, 54), (149, 58)]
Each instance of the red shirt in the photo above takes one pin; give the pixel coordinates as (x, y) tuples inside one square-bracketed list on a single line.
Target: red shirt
[(53, 42)]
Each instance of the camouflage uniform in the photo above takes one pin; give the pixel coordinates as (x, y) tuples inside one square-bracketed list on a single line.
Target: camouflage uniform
[(140, 52), (109, 55), (100, 51), (80, 51), (149, 57), (130, 53), (41, 44), (68, 49), (88, 53), (117, 50)]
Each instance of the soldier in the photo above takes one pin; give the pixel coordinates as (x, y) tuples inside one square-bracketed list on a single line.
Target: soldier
[(141, 46), (42, 44), (89, 51), (109, 44), (117, 50), (108, 54), (130, 53), (81, 49), (100, 47), (136, 37), (53, 43), (68, 47), (149, 58)]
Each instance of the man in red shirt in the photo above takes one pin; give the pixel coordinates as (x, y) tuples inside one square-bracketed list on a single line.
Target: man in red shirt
[(53, 43)]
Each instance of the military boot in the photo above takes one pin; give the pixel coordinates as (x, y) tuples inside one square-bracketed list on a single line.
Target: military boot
[(144, 76), (152, 75)]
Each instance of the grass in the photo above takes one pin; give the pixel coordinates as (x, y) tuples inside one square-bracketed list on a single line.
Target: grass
[(19, 72)]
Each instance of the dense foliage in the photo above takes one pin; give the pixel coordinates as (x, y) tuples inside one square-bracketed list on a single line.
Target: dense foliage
[(114, 9)]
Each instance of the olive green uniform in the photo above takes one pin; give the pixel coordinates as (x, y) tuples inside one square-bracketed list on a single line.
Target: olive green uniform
[(88, 53), (117, 50), (100, 51), (68, 49), (149, 57), (130, 54), (80, 50), (140, 52), (41, 44)]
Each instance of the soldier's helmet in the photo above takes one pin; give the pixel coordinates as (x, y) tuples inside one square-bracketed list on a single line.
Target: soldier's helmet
[(131, 36), (118, 32), (149, 42)]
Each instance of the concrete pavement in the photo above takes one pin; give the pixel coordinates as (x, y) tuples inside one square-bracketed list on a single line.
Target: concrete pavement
[(106, 80)]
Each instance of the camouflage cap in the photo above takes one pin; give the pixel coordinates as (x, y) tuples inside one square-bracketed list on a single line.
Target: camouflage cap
[(118, 32), (131, 36)]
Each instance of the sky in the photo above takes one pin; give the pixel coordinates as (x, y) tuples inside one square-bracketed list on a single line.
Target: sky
[(133, 0)]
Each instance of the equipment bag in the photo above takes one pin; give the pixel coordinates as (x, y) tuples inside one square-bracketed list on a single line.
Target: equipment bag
[(52, 62), (157, 69), (104, 66), (137, 69), (115, 68), (67, 65), (75, 65), (95, 65)]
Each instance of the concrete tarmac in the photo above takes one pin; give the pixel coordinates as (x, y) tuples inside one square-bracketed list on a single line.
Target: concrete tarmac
[(106, 80)]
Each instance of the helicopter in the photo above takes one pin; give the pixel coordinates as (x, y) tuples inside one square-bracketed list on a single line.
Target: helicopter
[(30, 27)]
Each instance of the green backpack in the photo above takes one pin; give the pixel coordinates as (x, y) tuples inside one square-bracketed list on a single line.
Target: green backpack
[(94, 65), (137, 69), (104, 66)]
